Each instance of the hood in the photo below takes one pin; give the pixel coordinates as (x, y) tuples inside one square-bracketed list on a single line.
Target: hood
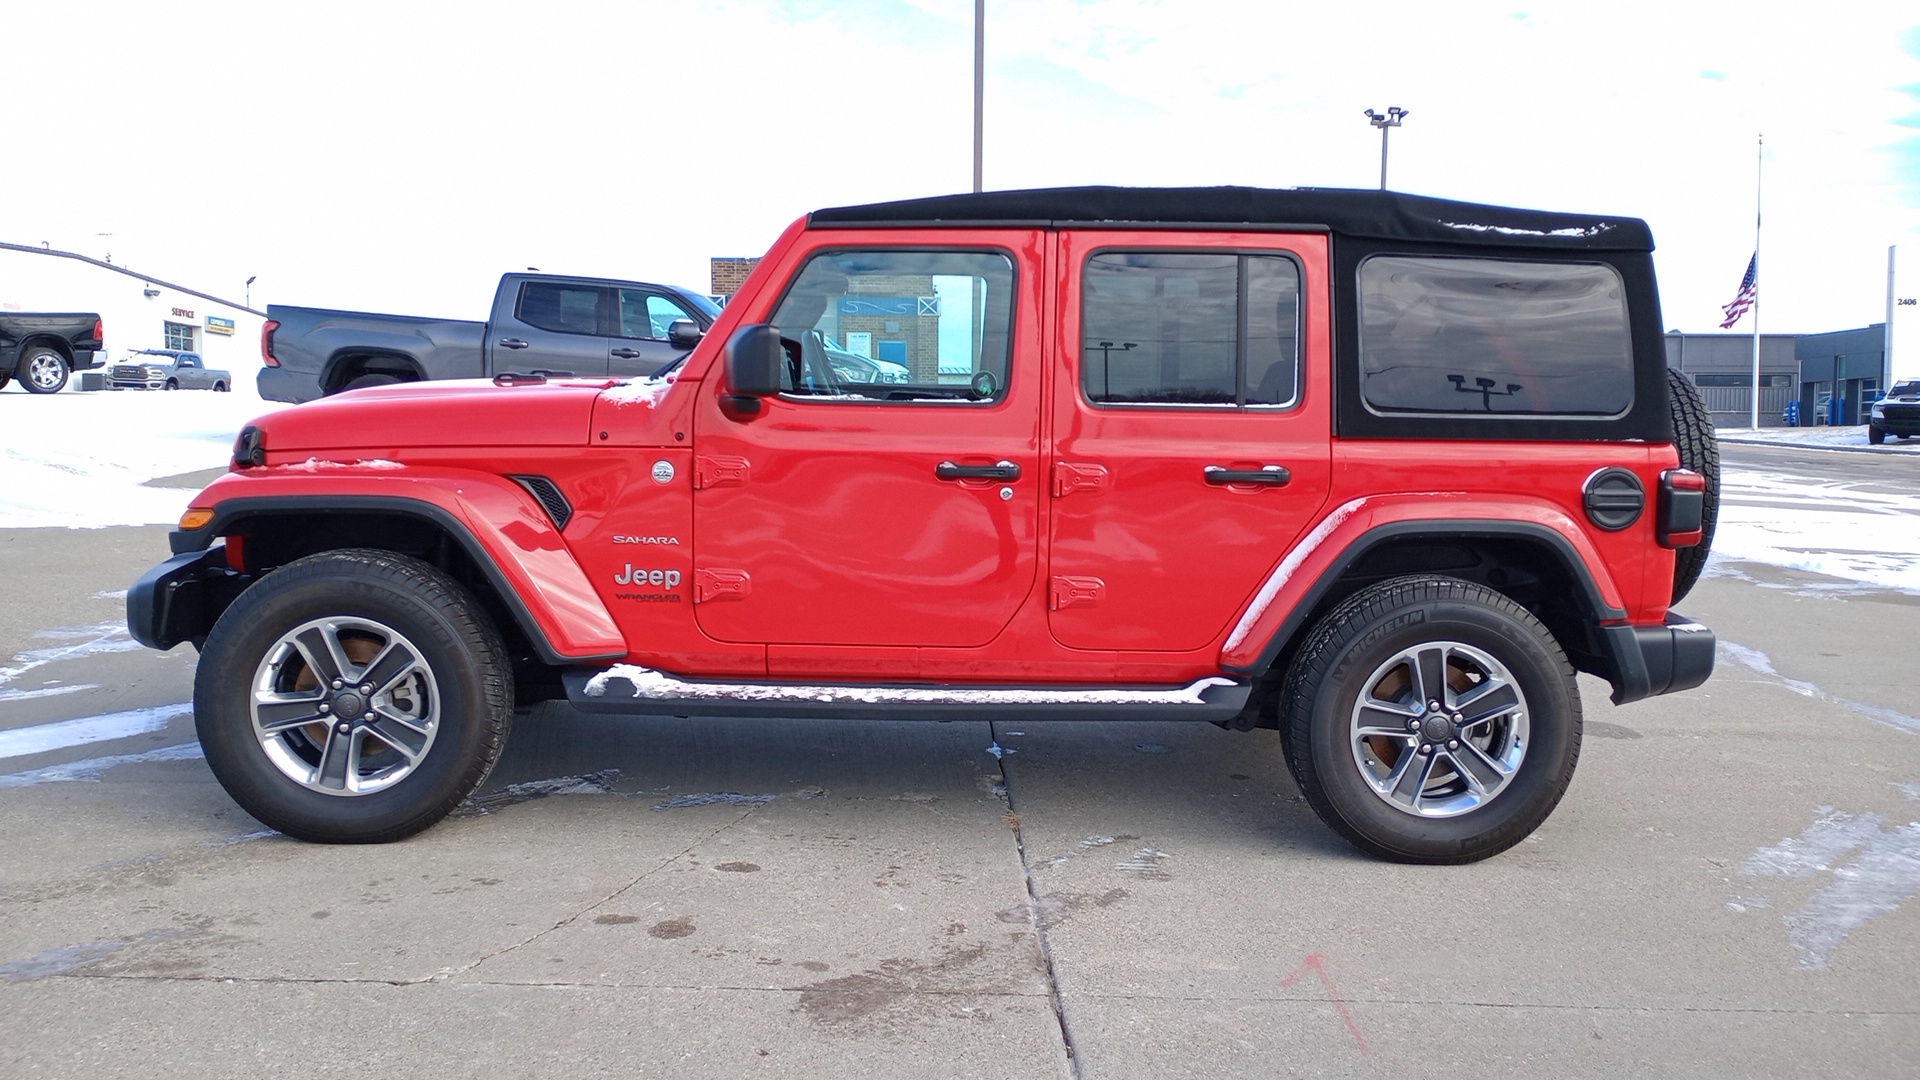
[(466, 412)]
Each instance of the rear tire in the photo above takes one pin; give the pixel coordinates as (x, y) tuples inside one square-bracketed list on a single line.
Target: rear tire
[(1402, 780), (345, 763), (43, 370), (219, 388), (1700, 451)]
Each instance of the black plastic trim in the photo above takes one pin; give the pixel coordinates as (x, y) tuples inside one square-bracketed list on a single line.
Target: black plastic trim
[(1216, 703), (169, 604), (232, 511), (1660, 659), (1374, 537), (549, 496)]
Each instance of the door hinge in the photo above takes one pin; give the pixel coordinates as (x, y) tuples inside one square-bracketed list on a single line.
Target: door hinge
[(1070, 476), (721, 585), (721, 470), (1069, 592)]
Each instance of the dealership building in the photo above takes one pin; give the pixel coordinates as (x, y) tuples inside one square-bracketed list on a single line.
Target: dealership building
[(138, 311)]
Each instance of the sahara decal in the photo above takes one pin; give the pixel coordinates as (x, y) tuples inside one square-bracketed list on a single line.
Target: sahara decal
[(674, 540)]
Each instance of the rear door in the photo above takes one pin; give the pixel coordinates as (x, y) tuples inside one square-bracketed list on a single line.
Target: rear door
[(1191, 425), (550, 325)]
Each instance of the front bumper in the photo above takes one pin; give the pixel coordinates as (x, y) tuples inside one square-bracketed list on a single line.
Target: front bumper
[(179, 599), (1902, 420), (1653, 660)]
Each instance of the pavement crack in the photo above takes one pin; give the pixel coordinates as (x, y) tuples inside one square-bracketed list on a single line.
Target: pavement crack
[(1033, 911), (448, 973), (1522, 1006)]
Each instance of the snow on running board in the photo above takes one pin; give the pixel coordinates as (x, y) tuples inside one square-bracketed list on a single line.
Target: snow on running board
[(652, 685)]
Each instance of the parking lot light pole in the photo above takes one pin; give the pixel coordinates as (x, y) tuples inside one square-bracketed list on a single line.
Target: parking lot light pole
[(979, 88), (1389, 119), (250, 282)]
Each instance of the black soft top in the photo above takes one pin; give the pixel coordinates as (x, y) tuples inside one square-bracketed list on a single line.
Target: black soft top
[(1381, 215)]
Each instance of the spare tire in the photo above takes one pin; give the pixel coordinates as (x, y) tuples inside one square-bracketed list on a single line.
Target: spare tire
[(1700, 451)]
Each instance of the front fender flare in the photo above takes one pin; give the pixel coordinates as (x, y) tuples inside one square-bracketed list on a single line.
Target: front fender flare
[(506, 534)]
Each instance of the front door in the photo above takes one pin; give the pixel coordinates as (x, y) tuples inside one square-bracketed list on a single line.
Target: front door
[(1191, 430), (639, 343), (858, 509)]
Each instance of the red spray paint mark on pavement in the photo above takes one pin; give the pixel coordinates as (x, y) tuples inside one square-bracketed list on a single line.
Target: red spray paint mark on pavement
[(1319, 965)]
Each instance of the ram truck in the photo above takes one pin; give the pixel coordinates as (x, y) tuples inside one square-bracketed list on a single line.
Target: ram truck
[(167, 369), (1381, 472), (541, 322)]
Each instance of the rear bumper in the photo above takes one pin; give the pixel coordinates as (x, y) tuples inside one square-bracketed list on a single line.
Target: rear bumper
[(1653, 660), (279, 384)]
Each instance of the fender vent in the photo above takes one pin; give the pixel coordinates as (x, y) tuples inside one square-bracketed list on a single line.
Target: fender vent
[(548, 493)]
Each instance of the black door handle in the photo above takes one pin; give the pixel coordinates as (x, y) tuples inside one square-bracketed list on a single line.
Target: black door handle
[(1005, 470), (1270, 475), (512, 343), (625, 354)]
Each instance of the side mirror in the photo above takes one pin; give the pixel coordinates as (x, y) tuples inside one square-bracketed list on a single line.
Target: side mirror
[(755, 361), (684, 333)]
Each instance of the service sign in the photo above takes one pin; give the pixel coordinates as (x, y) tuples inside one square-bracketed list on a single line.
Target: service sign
[(218, 325)]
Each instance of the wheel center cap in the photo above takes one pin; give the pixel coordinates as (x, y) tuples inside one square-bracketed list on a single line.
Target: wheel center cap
[(349, 705), (1435, 728)]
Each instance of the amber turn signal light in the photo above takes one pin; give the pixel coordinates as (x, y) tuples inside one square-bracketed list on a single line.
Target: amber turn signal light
[(195, 519)]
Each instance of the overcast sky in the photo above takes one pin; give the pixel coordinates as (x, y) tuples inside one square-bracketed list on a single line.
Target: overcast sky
[(400, 155)]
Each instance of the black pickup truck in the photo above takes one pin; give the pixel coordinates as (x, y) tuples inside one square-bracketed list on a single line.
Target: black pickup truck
[(42, 350), (541, 322)]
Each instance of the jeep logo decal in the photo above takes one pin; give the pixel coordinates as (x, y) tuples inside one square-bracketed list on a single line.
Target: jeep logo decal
[(668, 578)]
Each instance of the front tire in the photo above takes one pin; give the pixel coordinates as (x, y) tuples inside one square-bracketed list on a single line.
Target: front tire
[(353, 696), (172, 384), (1876, 434), (1428, 719), (43, 370)]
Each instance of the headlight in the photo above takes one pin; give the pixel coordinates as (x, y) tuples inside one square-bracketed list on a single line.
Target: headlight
[(1879, 409)]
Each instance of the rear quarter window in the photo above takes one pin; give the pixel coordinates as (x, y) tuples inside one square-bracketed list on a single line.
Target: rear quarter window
[(1469, 337)]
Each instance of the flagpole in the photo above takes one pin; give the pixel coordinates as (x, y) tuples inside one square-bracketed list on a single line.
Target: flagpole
[(1759, 156)]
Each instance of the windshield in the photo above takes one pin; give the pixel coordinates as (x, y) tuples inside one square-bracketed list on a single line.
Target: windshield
[(1905, 389), (698, 300)]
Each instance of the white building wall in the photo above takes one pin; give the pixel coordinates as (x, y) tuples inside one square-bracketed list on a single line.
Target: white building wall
[(136, 310)]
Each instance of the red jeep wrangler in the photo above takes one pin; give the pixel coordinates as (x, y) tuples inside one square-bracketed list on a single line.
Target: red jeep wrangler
[(1380, 471)]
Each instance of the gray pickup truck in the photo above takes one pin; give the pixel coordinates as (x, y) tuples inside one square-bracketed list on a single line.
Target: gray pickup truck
[(166, 369), (42, 349), (540, 323)]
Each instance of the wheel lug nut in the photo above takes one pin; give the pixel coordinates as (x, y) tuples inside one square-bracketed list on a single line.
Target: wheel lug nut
[(344, 728), (1427, 749), (366, 688), (1434, 705), (337, 684), (1413, 725), (325, 708), (369, 716), (1453, 744), (1457, 718)]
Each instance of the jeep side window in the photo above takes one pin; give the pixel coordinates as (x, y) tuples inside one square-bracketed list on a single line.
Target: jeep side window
[(1493, 337), (1166, 328), (562, 308), (898, 326)]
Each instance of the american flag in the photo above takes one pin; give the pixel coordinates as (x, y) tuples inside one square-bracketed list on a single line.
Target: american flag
[(1749, 292)]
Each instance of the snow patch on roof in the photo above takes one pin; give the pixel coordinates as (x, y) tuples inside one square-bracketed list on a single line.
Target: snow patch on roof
[(1508, 230)]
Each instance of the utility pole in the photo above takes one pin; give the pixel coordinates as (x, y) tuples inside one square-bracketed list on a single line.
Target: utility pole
[(1389, 119), (979, 89)]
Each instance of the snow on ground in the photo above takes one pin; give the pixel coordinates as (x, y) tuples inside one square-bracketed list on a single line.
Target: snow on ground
[(81, 460), (1824, 437), (1838, 528)]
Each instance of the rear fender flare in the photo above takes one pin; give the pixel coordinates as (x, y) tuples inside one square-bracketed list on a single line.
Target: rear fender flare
[(1294, 588), (501, 528)]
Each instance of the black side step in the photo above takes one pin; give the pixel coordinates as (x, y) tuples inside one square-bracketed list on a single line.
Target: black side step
[(629, 689)]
